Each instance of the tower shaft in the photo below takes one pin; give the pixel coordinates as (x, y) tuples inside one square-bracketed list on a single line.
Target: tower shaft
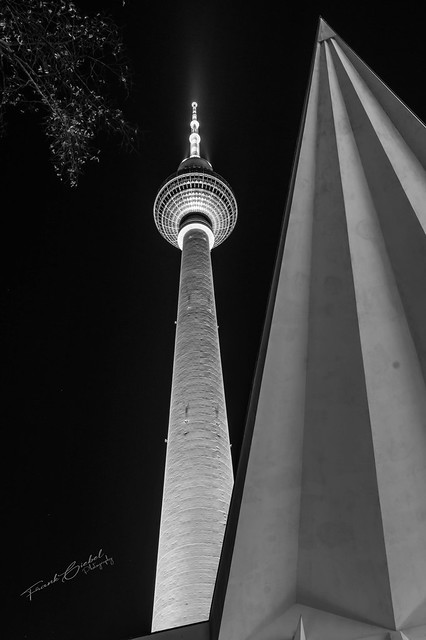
[(198, 477)]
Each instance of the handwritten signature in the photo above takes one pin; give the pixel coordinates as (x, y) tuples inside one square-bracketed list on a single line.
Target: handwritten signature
[(99, 561)]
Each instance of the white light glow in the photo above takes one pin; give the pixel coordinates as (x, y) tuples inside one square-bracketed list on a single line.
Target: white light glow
[(195, 225), (194, 141)]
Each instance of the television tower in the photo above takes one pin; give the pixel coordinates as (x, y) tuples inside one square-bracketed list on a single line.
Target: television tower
[(194, 210)]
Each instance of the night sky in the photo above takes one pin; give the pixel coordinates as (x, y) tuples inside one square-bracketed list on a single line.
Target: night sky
[(89, 287)]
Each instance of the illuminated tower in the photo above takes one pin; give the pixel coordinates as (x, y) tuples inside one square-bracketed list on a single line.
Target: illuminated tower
[(195, 210)]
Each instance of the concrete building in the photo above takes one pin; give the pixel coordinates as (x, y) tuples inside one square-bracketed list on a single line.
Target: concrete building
[(195, 210), (326, 535)]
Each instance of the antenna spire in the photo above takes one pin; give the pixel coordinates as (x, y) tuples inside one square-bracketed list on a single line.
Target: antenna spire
[(194, 138)]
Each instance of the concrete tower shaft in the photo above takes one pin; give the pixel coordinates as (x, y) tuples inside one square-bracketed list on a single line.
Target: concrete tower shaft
[(198, 478), (194, 210)]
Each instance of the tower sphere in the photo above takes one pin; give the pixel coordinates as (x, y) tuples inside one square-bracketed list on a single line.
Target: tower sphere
[(195, 189)]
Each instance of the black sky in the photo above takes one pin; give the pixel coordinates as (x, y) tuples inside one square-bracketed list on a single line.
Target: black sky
[(89, 288)]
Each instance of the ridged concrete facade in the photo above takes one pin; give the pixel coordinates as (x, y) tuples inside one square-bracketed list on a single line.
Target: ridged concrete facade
[(332, 474), (198, 477)]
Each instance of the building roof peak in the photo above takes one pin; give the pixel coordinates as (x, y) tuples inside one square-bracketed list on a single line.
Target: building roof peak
[(324, 30)]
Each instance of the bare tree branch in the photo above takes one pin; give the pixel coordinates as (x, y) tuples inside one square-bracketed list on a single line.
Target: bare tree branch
[(66, 65)]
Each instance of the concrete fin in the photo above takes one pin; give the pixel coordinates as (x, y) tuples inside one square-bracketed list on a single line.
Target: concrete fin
[(300, 631), (395, 205), (391, 306), (341, 534), (324, 31), (397, 635), (407, 167), (411, 128)]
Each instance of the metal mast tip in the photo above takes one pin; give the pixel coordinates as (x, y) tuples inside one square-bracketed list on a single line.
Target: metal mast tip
[(194, 138)]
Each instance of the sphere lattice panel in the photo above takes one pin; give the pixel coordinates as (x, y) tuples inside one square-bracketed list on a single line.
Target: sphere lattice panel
[(195, 192)]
